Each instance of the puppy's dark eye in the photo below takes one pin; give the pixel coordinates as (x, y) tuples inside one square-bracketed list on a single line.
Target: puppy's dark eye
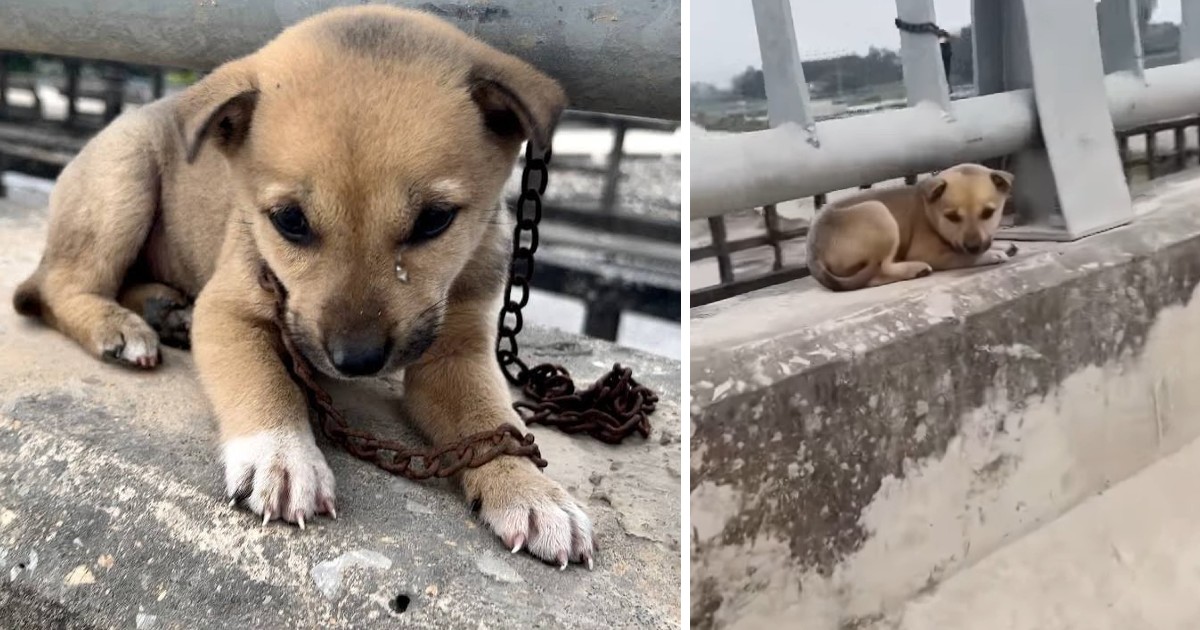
[(289, 221), (954, 217), (433, 220), (987, 213)]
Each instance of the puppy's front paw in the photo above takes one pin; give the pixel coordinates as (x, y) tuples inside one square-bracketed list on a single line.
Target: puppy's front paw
[(530, 511), (279, 474), (994, 256), (128, 339)]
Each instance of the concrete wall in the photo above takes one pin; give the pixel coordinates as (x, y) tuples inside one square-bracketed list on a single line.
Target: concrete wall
[(852, 450)]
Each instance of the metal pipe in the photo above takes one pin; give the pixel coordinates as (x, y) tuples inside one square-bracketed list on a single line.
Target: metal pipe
[(620, 57), (748, 170), (742, 171)]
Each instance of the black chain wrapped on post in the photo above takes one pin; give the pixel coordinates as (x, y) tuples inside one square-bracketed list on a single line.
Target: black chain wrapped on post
[(614, 407), (931, 29)]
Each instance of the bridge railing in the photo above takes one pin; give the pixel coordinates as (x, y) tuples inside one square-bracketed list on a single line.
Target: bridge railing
[(1062, 87)]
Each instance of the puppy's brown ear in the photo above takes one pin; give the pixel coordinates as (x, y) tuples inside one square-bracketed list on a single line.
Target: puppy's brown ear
[(1003, 180), (227, 126), (933, 189), (219, 109), (516, 101)]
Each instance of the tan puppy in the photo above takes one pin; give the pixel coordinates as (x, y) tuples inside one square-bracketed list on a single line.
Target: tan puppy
[(891, 234), (361, 157)]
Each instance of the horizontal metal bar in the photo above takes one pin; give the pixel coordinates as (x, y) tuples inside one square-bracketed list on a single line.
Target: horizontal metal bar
[(741, 171), (719, 292), (732, 247), (620, 57)]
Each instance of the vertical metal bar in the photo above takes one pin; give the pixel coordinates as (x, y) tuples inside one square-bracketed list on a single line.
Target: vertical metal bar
[(608, 198), (1152, 155), (921, 53), (1180, 149), (603, 317), (771, 219), (72, 67), (160, 83), (720, 241), (1189, 31), (787, 91), (1073, 186), (1120, 41), (1123, 151), (3, 84), (114, 90)]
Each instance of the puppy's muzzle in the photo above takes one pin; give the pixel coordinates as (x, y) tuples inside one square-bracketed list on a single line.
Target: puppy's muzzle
[(359, 354), (978, 247)]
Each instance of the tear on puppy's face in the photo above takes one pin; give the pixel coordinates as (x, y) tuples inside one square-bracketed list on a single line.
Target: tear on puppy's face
[(964, 205), (371, 151)]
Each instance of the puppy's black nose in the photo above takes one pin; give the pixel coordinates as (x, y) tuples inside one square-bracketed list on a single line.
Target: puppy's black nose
[(975, 249), (359, 357)]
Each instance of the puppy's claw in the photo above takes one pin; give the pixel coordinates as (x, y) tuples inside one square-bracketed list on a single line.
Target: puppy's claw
[(266, 517), (333, 512), (233, 502), (300, 521), (518, 542), (562, 560), (589, 563)]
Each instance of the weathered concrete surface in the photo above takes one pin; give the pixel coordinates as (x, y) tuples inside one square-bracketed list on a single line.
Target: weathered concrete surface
[(1122, 560), (850, 450), (111, 509)]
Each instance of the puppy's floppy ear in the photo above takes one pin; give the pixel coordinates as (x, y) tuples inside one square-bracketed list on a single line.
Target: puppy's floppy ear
[(219, 109), (932, 189), (1003, 180), (517, 102)]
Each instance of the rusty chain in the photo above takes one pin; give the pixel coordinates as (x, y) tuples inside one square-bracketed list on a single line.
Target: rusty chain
[(395, 457), (922, 27), (616, 406)]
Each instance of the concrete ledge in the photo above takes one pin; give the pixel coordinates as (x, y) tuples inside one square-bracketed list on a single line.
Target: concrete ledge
[(111, 512), (851, 450)]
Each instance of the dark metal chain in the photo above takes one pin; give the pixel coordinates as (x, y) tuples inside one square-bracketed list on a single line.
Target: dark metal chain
[(931, 29), (534, 178), (612, 409), (921, 27), (395, 457)]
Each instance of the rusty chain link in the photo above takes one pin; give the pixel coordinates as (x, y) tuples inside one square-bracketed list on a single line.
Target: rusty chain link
[(921, 27), (612, 409), (395, 457)]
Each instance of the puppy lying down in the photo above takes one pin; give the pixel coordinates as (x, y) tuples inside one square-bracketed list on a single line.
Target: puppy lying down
[(887, 235), (359, 157)]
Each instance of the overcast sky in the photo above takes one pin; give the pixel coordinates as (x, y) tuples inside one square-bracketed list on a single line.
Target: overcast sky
[(724, 41)]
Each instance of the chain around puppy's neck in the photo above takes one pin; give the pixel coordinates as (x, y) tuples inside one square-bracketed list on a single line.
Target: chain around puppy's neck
[(395, 457)]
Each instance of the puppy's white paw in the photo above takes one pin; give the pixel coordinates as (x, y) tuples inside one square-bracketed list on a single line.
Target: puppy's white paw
[(996, 256), (530, 511), (129, 340), (279, 474)]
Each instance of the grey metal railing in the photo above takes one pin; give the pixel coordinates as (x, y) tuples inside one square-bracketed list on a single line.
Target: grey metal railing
[(617, 57), (1061, 88)]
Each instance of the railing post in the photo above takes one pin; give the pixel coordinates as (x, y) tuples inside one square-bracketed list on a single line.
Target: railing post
[(1120, 41), (787, 91), (1074, 185), (1189, 31), (921, 53)]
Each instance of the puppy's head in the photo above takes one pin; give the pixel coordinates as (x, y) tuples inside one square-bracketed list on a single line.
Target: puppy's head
[(964, 205), (369, 148)]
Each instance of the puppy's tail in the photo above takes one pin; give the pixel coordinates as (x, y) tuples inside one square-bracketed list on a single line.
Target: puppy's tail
[(834, 282), (28, 298)]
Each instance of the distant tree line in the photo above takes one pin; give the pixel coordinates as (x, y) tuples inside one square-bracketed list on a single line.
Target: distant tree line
[(850, 74)]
